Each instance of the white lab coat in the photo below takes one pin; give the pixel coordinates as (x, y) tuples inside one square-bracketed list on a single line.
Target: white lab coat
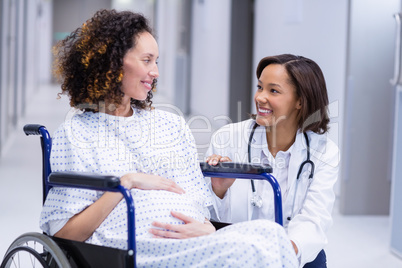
[(313, 201)]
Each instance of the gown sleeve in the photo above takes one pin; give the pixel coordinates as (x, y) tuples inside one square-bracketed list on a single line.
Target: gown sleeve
[(62, 203)]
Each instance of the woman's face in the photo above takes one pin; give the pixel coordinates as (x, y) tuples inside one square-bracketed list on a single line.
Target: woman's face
[(140, 67), (276, 101)]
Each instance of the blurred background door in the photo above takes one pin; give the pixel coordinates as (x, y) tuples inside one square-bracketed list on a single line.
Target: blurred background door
[(396, 197), (367, 150)]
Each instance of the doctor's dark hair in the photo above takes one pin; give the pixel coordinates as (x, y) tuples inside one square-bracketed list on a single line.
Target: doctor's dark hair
[(306, 76), (89, 62)]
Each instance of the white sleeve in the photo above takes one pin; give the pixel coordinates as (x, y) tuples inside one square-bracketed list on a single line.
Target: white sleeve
[(308, 228), (220, 209), (52, 227)]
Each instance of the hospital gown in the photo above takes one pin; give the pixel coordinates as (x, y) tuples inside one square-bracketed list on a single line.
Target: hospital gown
[(154, 142)]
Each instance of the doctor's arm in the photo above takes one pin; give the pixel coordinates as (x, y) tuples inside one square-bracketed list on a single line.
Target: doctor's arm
[(219, 185), (220, 150), (308, 228)]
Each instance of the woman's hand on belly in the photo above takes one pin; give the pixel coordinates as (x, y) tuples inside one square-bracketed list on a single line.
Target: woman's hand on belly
[(190, 228), (149, 182)]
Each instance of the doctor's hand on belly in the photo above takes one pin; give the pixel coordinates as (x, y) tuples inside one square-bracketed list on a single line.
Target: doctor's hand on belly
[(219, 185), (190, 228)]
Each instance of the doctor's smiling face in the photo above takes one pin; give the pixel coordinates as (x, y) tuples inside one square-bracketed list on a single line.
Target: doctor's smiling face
[(276, 100)]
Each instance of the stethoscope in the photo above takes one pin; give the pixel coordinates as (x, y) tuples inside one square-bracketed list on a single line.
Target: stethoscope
[(256, 199)]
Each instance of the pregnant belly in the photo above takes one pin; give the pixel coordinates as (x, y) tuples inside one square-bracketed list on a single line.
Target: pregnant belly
[(157, 205)]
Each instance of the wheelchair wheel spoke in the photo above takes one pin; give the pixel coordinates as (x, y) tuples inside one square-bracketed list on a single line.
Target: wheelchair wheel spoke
[(34, 250), (32, 260), (16, 259), (15, 265)]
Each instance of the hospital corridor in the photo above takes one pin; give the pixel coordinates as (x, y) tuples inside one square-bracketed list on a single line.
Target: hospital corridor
[(209, 55), (354, 241)]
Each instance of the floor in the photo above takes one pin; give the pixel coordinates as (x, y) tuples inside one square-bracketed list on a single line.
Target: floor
[(354, 241)]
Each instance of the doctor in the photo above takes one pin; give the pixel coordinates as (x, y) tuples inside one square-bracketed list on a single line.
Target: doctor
[(289, 133)]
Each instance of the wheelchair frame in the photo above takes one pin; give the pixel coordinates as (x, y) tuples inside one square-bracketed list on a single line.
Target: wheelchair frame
[(74, 250)]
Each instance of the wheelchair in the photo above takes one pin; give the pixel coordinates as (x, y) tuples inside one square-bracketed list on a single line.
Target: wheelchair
[(41, 250)]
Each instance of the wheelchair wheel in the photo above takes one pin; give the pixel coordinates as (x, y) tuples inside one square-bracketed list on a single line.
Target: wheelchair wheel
[(34, 250)]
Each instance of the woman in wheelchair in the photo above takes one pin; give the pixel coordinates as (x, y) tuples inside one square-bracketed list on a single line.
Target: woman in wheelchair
[(108, 69)]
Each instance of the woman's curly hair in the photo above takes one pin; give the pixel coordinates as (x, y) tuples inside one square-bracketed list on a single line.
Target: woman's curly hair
[(89, 62)]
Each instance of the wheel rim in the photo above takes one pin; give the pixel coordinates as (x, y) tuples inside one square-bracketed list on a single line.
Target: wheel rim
[(34, 250), (19, 256)]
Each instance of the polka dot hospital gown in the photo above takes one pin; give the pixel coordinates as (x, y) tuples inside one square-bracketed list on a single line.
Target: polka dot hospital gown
[(154, 142)]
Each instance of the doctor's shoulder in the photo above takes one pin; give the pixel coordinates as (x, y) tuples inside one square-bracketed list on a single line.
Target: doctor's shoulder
[(232, 135), (324, 150)]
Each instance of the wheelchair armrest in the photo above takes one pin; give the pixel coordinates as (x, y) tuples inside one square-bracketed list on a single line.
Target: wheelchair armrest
[(240, 168), (247, 171), (84, 180), (103, 183)]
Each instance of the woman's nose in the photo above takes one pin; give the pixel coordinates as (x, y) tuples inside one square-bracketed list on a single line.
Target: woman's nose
[(154, 73), (261, 98)]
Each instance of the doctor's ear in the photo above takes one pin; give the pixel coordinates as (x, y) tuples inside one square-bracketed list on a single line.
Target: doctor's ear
[(298, 104)]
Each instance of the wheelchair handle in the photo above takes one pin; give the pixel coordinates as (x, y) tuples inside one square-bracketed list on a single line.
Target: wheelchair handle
[(33, 129), (232, 167)]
